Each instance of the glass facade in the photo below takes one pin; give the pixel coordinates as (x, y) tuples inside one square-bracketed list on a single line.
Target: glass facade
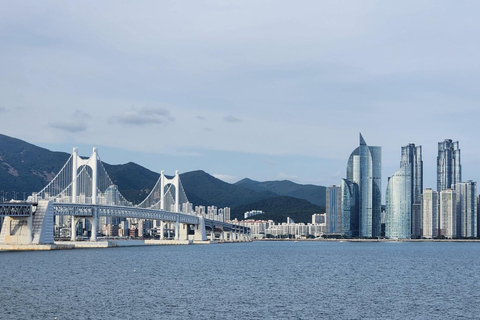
[(334, 209), (361, 191), (398, 215), (412, 157), (466, 204), (449, 169)]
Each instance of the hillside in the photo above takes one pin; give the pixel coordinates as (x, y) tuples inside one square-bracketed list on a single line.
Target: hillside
[(202, 188), (134, 181), (279, 208), (309, 192), (25, 167)]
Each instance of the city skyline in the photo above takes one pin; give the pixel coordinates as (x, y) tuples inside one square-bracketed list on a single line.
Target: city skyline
[(268, 91)]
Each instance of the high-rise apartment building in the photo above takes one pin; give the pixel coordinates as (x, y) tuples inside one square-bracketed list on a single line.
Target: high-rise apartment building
[(412, 157), (448, 214), (398, 210), (404, 195), (449, 169), (429, 213), (361, 192), (466, 206), (333, 209)]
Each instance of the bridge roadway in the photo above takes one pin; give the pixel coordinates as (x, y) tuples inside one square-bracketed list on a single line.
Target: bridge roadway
[(87, 210), (24, 210)]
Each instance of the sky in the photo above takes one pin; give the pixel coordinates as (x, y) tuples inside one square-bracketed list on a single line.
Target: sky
[(268, 90)]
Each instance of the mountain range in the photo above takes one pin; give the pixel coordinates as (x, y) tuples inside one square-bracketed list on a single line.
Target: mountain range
[(26, 168)]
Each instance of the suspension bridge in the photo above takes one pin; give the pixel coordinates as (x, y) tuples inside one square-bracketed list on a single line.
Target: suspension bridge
[(83, 191)]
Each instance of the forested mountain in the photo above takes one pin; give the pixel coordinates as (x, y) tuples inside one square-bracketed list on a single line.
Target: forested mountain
[(309, 192), (26, 168)]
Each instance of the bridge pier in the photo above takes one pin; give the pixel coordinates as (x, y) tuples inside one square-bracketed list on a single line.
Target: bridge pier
[(34, 227), (183, 232), (17, 230), (94, 223), (73, 232), (200, 232), (177, 228), (162, 230)]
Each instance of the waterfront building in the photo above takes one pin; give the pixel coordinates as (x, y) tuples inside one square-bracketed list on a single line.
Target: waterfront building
[(447, 214), (333, 209), (261, 229), (318, 218), (226, 211), (449, 169), (412, 157), (466, 209), (478, 216), (429, 226), (398, 211), (403, 196), (252, 213), (361, 192)]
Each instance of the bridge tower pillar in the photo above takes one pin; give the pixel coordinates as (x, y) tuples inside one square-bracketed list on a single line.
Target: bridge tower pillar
[(74, 190), (175, 181), (162, 190), (93, 165), (177, 191), (92, 162)]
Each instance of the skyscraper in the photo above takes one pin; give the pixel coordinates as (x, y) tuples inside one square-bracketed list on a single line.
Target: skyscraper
[(404, 195), (333, 209), (449, 169), (466, 205), (398, 214), (448, 213), (412, 157), (430, 213), (361, 192)]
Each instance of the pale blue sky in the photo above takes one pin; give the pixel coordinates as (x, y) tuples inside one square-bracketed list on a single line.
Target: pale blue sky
[(262, 89)]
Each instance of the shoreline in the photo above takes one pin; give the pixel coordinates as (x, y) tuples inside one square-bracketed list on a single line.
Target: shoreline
[(372, 240), (68, 245)]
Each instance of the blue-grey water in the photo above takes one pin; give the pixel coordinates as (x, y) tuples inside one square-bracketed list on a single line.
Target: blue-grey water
[(260, 280)]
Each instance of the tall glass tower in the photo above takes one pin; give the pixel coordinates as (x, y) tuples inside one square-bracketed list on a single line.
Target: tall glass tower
[(412, 157), (361, 192), (449, 169), (398, 215), (333, 209), (466, 205), (404, 196)]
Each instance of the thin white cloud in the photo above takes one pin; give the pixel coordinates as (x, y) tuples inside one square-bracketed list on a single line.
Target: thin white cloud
[(232, 119), (143, 116), (78, 122), (71, 127)]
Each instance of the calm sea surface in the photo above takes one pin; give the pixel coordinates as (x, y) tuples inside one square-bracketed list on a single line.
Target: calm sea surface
[(260, 280)]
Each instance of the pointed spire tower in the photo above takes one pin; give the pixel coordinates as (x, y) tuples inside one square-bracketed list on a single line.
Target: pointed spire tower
[(362, 190), (362, 141)]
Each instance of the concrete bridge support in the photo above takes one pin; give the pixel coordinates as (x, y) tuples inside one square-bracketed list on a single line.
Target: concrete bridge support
[(183, 231), (33, 229), (200, 232), (162, 230)]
